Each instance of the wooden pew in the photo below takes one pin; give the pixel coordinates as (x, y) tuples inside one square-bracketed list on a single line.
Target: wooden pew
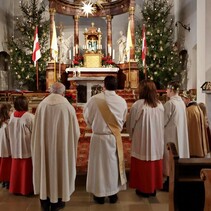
[(206, 177), (186, 189)]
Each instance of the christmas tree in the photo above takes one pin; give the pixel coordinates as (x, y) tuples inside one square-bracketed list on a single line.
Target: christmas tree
[(21, 45), (162, 59)]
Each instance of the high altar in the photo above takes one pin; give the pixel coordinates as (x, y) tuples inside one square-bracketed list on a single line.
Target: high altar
[(92, 72)]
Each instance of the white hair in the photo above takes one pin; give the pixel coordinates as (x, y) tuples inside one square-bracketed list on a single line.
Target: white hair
[(57, 88)]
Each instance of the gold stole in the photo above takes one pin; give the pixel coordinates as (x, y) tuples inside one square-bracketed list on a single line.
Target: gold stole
[(111, 121)]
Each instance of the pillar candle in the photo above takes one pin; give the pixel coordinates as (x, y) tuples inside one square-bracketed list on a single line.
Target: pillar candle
[(113, 55), (73, 51), (70, 54)]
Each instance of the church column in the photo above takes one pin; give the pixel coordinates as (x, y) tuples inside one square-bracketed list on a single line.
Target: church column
[(109, 35), (52, 15), (76, 35), (132, 29)]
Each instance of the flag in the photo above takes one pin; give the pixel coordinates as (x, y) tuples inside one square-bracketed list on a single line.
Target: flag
[(36, 49), (129, 43), (144, 46), (54, 45)]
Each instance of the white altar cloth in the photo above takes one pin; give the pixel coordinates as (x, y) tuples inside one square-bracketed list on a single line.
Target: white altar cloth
[(84, 69)]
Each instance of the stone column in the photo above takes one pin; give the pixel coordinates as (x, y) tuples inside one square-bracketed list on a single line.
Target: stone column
[(109, 34), (52, 12), (132, 29), (76, 35)]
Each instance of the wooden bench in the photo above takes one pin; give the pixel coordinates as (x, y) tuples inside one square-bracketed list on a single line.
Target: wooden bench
[(206, 177), (186, 189)]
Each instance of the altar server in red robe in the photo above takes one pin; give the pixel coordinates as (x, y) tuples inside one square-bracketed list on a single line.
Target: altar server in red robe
[(145, 125), (20, 130), (54, 149), (5, 153)]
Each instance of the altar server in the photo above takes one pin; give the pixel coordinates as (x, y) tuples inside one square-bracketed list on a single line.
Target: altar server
[(5, 153), (105, 114), (175, 124), (54, 149), (145, 125), (20, 129)]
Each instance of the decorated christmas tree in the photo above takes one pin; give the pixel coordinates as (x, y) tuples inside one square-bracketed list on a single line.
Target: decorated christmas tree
[(21, 45), (162, 57)]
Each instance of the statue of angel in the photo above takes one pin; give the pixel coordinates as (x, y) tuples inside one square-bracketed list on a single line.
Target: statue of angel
[(64, 47)]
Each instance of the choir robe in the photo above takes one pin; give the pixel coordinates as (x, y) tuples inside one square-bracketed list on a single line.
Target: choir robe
[(20, 130), (103, 174), (145, 126), (5, 154), (54, 148), (197, 131), (175, 129)]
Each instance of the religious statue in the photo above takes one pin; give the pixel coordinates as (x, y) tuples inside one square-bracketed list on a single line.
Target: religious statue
[(64, 47), (122, 47)]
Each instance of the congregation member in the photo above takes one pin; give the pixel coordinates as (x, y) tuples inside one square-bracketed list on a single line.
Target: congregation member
[(105, 113), (175, 127), (5, 152), (197, 130), (204, 110), (20, 130), (54, 149), (145, 125)]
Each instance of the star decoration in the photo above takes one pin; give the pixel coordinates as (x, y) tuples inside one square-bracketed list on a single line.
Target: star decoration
[(88, 8)]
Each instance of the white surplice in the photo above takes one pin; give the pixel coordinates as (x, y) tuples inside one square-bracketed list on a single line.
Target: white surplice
[(4, 141), (145, 126), (103, 174), (20, 130), (176, 130), (54, 148)]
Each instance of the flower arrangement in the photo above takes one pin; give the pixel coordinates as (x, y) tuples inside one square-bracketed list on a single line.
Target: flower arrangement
[(107, 61), (70, 97), (78, 61)]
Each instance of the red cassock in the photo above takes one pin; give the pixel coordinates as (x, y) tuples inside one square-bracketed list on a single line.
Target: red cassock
[(21, 176), (149, 173), (5, 169), (21, 167)]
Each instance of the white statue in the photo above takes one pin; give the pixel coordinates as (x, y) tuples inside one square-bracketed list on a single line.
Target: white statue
[(64, 47), (122, 47)]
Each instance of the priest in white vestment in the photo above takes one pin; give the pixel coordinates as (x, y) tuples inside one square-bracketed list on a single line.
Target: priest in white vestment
[(54, 149), (103, 177), (145, 125), (175, 123)]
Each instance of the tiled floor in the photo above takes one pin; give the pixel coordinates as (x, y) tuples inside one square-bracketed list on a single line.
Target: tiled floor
[(82, 201)]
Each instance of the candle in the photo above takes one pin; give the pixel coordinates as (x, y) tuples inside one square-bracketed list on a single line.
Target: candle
[(73, 51), (113, 55), (76, 47), (70, 55)]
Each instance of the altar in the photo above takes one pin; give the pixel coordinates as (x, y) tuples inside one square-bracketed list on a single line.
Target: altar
[(88, 81)]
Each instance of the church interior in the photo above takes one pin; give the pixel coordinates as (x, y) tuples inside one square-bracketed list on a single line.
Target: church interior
[(105, 39)]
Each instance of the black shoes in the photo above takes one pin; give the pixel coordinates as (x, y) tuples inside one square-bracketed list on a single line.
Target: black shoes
[(146, 195), (47, 206), (113, 199), (101, 200), (166, 185)]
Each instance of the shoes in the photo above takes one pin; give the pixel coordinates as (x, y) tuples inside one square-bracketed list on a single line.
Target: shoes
[(139, 193), (45, 204), (146, 195), (113, 199), (166, 185), (99, 200), (57, 206)]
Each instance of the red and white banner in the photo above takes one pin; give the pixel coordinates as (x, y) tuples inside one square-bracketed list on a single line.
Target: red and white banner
[(144, 46), (36, 49)]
